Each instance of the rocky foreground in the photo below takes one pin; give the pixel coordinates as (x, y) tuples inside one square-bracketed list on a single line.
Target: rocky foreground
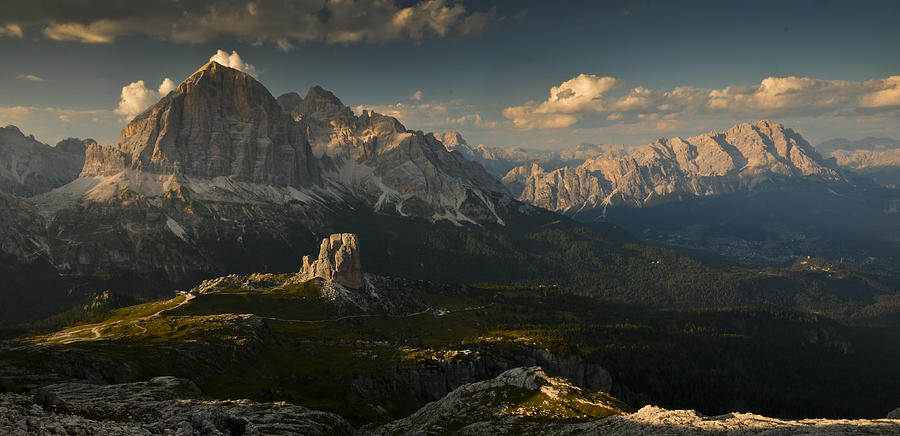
[(519, 401)]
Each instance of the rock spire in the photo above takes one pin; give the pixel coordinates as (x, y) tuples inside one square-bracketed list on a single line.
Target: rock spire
[(338, 261)]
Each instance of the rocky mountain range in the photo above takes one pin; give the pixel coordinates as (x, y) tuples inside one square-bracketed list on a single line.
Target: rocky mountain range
[(218, 172), (739, 159), (29, 167), (220, 136), (875, 158)]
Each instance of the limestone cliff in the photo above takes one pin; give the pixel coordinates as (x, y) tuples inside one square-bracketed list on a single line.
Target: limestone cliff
[(218, 122), (338, 261)]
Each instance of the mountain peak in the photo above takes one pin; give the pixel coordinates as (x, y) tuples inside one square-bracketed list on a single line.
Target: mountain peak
[(320, 94), (766, 126), (218, 122), (12, 129), (218, 74), (452, 140)]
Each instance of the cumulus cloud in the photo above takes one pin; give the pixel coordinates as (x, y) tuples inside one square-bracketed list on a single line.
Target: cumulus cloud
[(416, 96), (886, 95), (30, 77), (136, 97), (599, 99), (11, 31), (234, 60), (582, 93), (259, 21), (166, 87)]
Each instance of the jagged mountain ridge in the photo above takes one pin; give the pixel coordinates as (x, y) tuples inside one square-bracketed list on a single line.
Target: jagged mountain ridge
[(875, 158), (739, 159), (29, 167), (221, 136), (219, 177)]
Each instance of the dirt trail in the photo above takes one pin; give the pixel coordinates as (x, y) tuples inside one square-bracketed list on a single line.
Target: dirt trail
[(71, 335)]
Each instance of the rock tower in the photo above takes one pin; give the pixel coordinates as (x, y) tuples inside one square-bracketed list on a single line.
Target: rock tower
[(338, 261)]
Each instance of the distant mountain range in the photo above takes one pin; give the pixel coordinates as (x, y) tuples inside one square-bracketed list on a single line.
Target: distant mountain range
[(739, 159), (875, 158), (756, 193), (867, 143), (29, 167)]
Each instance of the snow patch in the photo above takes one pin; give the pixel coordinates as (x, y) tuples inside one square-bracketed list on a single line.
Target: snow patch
[(176, 229)]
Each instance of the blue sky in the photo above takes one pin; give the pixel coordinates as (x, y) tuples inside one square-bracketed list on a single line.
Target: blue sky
[(624, 72)]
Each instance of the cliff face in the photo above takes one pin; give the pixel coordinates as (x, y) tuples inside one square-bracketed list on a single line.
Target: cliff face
[(741, 158), (218, 122), (338, 261)]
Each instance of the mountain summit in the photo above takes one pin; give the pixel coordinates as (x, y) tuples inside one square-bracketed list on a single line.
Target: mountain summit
[(220, 122)]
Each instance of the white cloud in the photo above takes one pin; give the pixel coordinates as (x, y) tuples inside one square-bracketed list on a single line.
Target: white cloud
[(166, 87), (136, 97), (97, 32), (582, 93), (887, 93), (30, 77), (11, 31), (274, 21), (588, 97), (234, 60), (416, 96)]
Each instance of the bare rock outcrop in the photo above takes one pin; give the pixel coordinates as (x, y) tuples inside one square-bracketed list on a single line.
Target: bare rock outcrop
[(529, 401), (162, 405), (338, 261)]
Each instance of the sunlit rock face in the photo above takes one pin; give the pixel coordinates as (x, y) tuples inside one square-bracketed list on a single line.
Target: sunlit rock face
[(740, 159), (218, 122), (338, 261)]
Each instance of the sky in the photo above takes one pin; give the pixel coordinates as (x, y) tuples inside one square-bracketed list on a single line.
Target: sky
[(538, 75)]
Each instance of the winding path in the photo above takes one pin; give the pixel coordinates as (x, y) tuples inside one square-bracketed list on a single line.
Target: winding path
[(69, 336)]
